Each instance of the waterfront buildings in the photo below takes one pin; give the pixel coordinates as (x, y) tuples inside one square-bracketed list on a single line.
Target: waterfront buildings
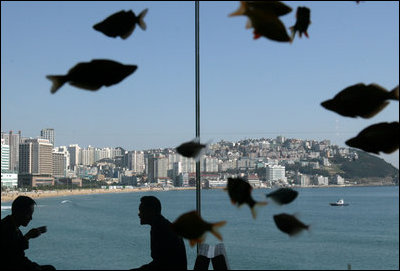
[(275, 172), (263, 161)]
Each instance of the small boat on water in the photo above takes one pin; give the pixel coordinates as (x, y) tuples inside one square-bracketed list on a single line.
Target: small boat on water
[(339, 203)]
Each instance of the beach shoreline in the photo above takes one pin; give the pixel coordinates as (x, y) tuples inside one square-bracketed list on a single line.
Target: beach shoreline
[(11, 195)]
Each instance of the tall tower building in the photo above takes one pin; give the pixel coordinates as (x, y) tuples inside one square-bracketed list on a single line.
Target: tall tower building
[(5, 156), (35, 163), (74, 154), (161, 167), (48, 134), (36, 157), (150, 168), (13, 141), (59, 164), (136, 161)]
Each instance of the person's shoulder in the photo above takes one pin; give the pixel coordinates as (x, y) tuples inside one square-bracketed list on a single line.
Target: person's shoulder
[(6, 220), (6, 224), (162, 224)]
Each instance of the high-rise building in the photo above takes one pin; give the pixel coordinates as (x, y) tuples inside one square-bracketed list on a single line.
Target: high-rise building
[(5, 156), (13, 141), (157, 167), (35, 163), (74, 154), (59, 164), (177, 169), (209, 164), (48, 133), (136, 161), (101, 153), (36, 157), (162, 167), (87, 156)]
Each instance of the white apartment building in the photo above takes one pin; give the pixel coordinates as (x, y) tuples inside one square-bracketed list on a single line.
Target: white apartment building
[(5, 156), (275, 172), (136, 161), (209, 164), (9, 180)]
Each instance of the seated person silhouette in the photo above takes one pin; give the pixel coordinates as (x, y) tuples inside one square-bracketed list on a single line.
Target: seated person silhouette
[(167, 248), (13, 242)]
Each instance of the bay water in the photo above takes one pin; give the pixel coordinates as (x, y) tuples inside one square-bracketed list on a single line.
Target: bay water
[(102, 231)]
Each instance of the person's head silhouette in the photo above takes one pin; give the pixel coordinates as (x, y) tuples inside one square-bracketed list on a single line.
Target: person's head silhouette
[(22, 210), (149, 208)]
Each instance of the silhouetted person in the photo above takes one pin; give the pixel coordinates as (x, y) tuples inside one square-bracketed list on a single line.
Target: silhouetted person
[(13, 242), (167, 248)]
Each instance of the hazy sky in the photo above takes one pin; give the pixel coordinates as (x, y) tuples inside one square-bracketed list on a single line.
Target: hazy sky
[(248, 88)]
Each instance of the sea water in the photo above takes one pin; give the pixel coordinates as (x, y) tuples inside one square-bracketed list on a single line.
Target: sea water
[(102, 231)]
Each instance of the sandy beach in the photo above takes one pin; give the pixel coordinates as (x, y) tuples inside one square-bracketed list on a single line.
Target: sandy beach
[(10, 196)]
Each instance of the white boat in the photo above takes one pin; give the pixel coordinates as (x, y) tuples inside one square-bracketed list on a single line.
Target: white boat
[(339, 203)]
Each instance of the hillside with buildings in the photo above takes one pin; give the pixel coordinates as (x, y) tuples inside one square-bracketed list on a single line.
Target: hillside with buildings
[(35, 162)]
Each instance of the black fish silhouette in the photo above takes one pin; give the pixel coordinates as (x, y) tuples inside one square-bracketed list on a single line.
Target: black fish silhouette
[(302, 22), (289, 224), (191, 149), (191, 226), (361, 100), (264, 18), (93, 75), (275, 7), (381, 137), (121, 24), (283, 195), (240, 192)]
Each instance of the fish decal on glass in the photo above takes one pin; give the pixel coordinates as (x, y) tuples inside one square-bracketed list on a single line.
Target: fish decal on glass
[(302, 22), (191, 226), (121, 24), (263, 17), (283, 195), (381, 137), (289, 224), (240, 193), (361, 100), (191, 149), (93, 75)]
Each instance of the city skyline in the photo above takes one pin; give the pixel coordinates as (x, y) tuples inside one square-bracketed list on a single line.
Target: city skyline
[(41, 163), (249, 88), (86, 147)]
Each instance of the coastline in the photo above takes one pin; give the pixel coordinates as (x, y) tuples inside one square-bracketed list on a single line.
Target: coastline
[(11, 195)]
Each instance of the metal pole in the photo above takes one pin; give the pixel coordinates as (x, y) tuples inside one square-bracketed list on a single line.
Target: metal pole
[(197, 82), (198, 183)]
